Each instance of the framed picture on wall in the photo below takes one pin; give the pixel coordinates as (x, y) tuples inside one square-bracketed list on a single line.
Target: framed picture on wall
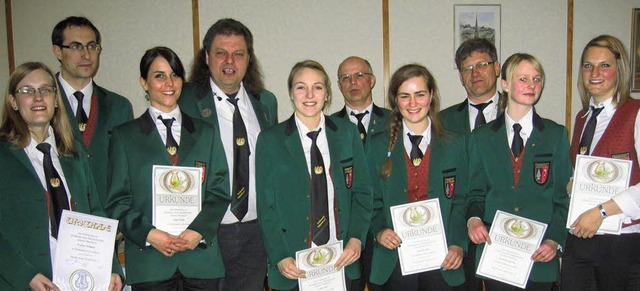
[(635, 50), (473, 21)]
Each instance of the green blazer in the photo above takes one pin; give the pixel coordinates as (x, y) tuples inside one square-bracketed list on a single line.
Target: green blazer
[(113, 110), (24, 219), (447, 161), (135, 147), (197, 101), (456, 117), (283, 192), (377, 125), (544, 199)]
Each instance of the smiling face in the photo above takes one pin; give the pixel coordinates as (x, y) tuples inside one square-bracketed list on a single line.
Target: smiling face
[(414, 99), (600, 73), (309, 94), (163, 85), (228, 61), (525, 85), (356, 90), (36, 109), (77, 67), (480, 83)]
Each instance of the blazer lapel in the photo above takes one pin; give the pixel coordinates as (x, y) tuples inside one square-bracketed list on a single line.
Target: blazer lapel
[(206, 105), (260, 110), (502, 154), (152, 139), (22, 157), (294, 146), (187, 137)]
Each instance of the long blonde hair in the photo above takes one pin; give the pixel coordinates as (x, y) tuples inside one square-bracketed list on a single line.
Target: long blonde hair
[(401, 75), (15, 129)]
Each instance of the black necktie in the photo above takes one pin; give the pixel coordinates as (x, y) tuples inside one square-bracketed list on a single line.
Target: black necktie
[(241, 152), (589, 129), (171, 144), (55, 187), (81, 116), (416, 154), (319, 199), (517, 143), (480, 119), (361, 129)]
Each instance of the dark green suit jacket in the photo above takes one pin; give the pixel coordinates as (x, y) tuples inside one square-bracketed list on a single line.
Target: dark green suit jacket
[(447, 160), (378, 124), (284, 198), (113, 110), (536, 197), (135, 147), (24, 219), (197, 101)]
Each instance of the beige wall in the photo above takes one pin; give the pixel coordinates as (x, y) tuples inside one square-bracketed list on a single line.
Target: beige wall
[(288, 31)]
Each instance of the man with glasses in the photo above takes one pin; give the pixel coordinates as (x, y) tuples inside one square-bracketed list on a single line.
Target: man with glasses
[(356, 80), (93, 111), (479, 68)]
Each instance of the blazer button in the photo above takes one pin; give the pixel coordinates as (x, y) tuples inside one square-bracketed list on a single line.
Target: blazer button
[(305, 240), (517, 209), (307, 218), (88, 155)]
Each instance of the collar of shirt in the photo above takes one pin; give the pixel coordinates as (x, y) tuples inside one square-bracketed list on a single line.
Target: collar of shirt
[(527, 126), (365, 119), (424, 143), (68, 91), (609, 108), (224, 108), (175, 126)]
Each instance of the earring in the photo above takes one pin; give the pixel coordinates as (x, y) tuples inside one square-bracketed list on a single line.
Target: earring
[(146, 96), (15, 108)]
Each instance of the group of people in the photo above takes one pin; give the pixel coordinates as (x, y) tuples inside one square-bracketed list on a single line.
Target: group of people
[(270, 189)]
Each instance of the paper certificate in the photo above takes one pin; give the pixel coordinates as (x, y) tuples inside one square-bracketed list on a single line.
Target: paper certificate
[(424, 244), (596, 180), (84, 253), (514, 239), (177, 197), (318, 263)]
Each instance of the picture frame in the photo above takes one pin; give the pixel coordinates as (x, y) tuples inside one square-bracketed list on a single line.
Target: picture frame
[(470, 21), (635, 50)]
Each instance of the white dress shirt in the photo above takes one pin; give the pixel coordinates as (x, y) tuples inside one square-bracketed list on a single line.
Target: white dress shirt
[(424, 143), (365, 120), (527, 127), (176, 128), (86, 101), (490, 112)]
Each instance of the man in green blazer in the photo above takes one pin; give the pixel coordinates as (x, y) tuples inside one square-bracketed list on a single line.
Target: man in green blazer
[(226, 69), (540, 193), (446, 167), (284, 201), (24, 231), (135, 147), (76, 44), (479, 68)]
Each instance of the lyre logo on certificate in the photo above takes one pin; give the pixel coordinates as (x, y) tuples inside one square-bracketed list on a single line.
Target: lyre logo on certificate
[(177, 197), (596, 180)]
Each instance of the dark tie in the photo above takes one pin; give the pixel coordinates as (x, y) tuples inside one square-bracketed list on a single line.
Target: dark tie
[(241, 152), (517, 143), (55, 187), (589, 130), (416, 154), (319, 199), (361, 129), (81, 116), (171, 144), (480, 119)]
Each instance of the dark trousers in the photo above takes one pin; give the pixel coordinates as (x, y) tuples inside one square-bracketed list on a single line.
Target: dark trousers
[(431, 280), (245, 260), (365, 266), (603, 262), (348, 283), (178, 282), (493, 285), (472, 283)]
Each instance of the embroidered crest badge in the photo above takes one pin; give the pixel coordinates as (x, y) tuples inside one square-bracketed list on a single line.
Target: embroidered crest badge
[(449, 184), (348, 176), (541, 172)]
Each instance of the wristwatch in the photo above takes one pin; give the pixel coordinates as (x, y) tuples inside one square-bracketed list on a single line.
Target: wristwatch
[(602, 211)]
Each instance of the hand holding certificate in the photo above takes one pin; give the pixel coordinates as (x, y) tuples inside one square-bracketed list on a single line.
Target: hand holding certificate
[(318, 264), (514, 239), (596, 180), (420, 227)]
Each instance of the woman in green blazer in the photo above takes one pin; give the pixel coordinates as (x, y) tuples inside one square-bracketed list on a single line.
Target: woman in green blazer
[(155, 259), (415, 103), (284, 181), (32, 116), (528, 180)]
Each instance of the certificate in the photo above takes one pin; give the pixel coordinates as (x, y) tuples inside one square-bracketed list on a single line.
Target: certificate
[(84, 253), (596, 180), (513, 240), (177, 197), (318, 263), (424, 244)]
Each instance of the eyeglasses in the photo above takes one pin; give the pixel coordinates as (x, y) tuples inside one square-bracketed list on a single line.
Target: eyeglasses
[(46, 91), (477, 66), (358, 75), (78, 47)]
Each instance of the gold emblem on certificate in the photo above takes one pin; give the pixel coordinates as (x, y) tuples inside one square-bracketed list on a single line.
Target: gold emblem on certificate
[(517, 228), (601, 171), (320, 257), (416, 215), (82, 126), (240, 141), (176, 181), (81, 280)]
